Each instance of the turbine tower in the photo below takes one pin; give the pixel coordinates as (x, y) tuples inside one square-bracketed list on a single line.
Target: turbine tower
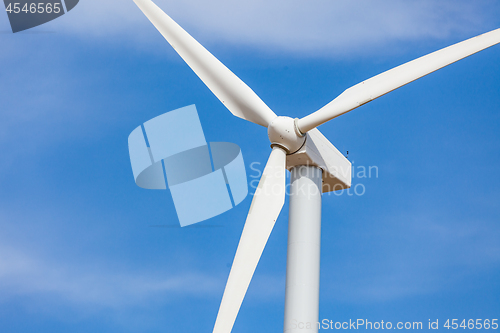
[(316, 166)]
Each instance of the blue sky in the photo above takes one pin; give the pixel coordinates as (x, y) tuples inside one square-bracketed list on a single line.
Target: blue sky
[(82, 248)]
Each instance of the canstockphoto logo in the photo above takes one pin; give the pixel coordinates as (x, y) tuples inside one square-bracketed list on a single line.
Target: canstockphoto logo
[(26, 14), (205, 180)]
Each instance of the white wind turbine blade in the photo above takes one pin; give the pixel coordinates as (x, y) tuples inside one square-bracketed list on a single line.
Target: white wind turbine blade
[(242, 101), (386, 82), (266, 206)]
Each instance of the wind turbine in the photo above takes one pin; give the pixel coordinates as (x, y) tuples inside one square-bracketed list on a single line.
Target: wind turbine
[(316, 166)]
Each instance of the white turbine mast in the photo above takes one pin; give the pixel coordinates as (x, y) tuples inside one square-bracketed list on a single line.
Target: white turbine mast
[(316, 166)]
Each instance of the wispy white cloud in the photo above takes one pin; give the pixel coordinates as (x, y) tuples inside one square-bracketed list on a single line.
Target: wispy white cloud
[(434, 253), (80, 286), (312, 28)]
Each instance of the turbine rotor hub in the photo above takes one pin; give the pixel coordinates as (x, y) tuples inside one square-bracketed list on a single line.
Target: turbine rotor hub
[(283, 132)]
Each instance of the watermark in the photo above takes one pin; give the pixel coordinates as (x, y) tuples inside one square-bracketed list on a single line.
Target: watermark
[(327, 324), (365, 324), (26, 14), (205, 179), (358, 172)]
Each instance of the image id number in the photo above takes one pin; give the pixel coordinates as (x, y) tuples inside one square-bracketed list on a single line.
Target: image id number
[(40, 8), (472, 324)]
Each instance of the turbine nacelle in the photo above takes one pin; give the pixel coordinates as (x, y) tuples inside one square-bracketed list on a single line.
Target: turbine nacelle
[(284, 133), (318, 151), (312, 149)]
